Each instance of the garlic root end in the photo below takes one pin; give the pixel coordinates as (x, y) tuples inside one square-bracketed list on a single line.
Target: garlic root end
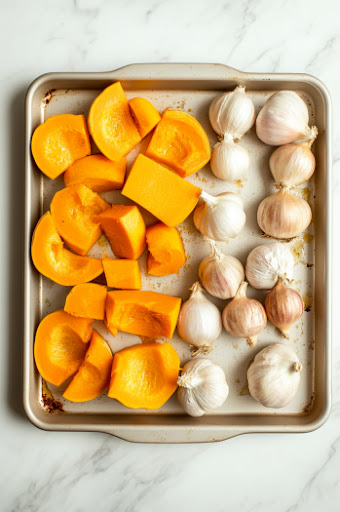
[(203, 349), (252, 340)]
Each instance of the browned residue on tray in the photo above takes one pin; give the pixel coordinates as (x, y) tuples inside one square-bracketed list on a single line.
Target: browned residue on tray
[(238, 183), (307, 298), (50, 404), (48, 96), (264, 235), (310, 405)]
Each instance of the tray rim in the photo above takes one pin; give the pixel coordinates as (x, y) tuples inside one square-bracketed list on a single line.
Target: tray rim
[(183, 71)]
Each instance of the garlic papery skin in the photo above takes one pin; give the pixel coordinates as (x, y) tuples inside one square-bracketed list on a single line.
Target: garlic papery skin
[(284, 306), (232, 113), (220, 217), (244, 317), (199, 322), (267, 263), (202, 387), (283, 215), (292, 164), (274, 376), (229, 161), (220, 274), (284, 119)]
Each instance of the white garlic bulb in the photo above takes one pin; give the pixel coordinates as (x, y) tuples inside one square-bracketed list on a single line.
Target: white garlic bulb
[(229, 161), (267, 263), (284, 306), (284, 119), (244, 317), (284, 215), (232, 113), (199, 322), (292, 164), (202, 387), (220, 217), (220, 274), (274, 376)]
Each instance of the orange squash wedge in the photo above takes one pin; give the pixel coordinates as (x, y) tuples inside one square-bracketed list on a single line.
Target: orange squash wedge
[(160, 191), (180, 142), (148, 314), (60, 345), (111, 124), (58, 142), (93, 376), (52, 260), (96, 172), (74, 209), (123, 274), (166, 252), (125, 229), (145, 115), (144, 376), (86, 300)]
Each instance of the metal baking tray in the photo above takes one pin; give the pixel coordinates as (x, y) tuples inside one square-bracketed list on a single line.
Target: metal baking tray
[(192, 87)]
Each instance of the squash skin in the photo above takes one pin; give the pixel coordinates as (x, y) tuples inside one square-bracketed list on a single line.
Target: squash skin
[(74, 210), (180, 142), (122, 273), (59, 142), (144, 313), (96, 172), (111, 124), (144, 376), (86, 300), (145, 115), (166, 251), (93, 375), (160, 191), (52, 260), (60, 345)]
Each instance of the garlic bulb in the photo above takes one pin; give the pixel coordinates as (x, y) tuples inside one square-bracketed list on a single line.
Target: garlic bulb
[(292, 164), (220, 274), (199, 321), (202, 387), (267, 263), (244, 317), (284, 215), (232, 113), (274, 376), (284, 306), (284, 119), (220, 217), (229, 161)]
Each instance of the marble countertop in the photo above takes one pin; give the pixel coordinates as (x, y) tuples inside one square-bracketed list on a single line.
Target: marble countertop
[(49, 471)]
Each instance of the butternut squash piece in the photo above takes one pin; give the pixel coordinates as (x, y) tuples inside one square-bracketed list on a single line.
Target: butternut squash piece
[(52, 260), (93, 376), (111, 330), (123, 274), (180, 142), (125, 229), (74, 210), (148, 314), (166, 252), (160, 191), (145, 115), (144, 376), (58, 142), (96, 172), (86, 300), (60, 345), (111, 124)]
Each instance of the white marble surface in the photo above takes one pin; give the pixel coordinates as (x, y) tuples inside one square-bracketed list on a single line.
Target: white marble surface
[(45, 471)]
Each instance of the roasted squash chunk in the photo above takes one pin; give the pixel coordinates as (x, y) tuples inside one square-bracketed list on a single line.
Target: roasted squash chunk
[(144, 376), (111, 124), (97, 172), (74, 210), (52, 260), (144, 114), (93, 376), (86, 300), (160, 191), (148, 314), (60, 345), (166, 252), (58, 142), (123, 274), (180, 142)]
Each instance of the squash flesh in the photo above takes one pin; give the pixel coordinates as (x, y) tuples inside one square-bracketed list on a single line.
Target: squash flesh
[(144, 114), (97, 172), (86, 300), (123, 274), (166, 251)]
